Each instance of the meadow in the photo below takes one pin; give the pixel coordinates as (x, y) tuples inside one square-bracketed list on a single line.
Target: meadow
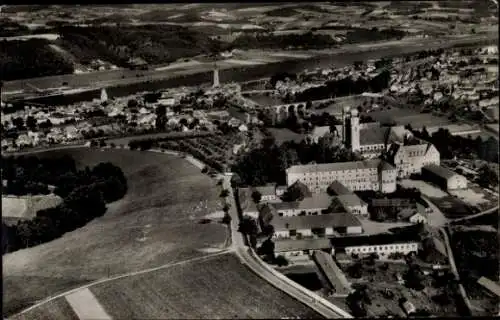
[(154, 224)]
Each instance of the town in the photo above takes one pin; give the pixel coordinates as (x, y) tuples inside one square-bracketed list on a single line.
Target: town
[(360, 189)]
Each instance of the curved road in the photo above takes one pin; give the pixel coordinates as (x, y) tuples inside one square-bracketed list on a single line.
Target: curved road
[(454, 269), (279, 281)]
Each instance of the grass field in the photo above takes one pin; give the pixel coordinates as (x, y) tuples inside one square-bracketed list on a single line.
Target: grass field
[(56, 309), (155, 223), (452, 207), (219, 287), (407, 116), (282, 135)]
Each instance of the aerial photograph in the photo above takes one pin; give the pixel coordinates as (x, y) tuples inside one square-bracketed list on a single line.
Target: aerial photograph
[(250, 160)]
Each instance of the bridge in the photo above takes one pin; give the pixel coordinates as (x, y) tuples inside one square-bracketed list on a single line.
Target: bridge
[(249, 92)]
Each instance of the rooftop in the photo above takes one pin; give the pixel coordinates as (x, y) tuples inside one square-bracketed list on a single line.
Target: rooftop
[(338, 188), (336, 166), (267, 190), (373, 134), (378, 239), (490, 285), (351, 200), (302, 244), (315, 201), (342, 219), (440, 171)]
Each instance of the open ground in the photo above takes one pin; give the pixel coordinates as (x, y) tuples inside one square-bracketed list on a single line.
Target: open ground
[(155, 223), (218, 287)]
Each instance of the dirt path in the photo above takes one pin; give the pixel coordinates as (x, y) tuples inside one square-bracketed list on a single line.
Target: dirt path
[(70, 292), (86, 306)]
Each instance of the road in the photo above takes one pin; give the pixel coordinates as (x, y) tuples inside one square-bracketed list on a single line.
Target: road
[(474, 215), (454, 269), (247, 257), (123, 77)]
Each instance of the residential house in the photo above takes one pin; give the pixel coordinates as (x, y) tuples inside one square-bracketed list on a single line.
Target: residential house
[(408, 307), (418, 217), (444, 177)]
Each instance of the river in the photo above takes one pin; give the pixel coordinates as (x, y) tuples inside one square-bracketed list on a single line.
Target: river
[(242, 74)]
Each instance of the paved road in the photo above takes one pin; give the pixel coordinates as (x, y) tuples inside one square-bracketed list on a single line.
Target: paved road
[(454, 269), (247, 257), (474, 215)]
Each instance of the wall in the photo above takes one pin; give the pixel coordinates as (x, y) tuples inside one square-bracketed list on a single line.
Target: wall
[(354, 230)]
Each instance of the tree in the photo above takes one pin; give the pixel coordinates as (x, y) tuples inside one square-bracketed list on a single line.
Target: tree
[(226, 219), (487, 177), (281, 261), (267, 249), (248, 226), (132, 103), (256, 196), (31, 123), (224, 193)]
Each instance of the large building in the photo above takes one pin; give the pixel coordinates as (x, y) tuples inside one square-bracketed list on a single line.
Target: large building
[(411, 158), (382, 244), (405, 152), (374, 174), (443, 177)]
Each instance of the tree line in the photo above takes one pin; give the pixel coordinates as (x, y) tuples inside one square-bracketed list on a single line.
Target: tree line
[(450, 146), (31, 58), (85, 194), (345, 87)]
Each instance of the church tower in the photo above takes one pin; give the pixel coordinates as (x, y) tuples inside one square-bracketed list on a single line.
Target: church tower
[(351, 124), (216, 76)]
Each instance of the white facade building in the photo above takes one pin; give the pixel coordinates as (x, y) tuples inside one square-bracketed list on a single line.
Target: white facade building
[(410, 159), (372, 174)]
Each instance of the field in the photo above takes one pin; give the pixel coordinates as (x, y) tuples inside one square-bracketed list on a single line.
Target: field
[(219, 287), (406, 116), (475, 197), (26, 208), (193, 290), (125, 140), (282, 135), (154, 224), (56, 309)]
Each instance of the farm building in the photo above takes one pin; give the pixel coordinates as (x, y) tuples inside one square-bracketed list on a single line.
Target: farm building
[(333, 273), (319, 225), (337, 188), (382, 244), (353, 204), (315, 204), (268, 192), (301, 248), (492, 286), (443, 177)]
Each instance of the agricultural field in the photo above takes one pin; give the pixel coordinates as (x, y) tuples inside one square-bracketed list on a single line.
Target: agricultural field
[(157, 222), (407, 116), (216, 150), (55, 309), (172, 135), (17, 208), (219, 287), (378, 278), (476, 197)]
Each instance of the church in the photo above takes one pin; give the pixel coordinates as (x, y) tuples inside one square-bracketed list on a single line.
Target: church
[(396, 145)]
